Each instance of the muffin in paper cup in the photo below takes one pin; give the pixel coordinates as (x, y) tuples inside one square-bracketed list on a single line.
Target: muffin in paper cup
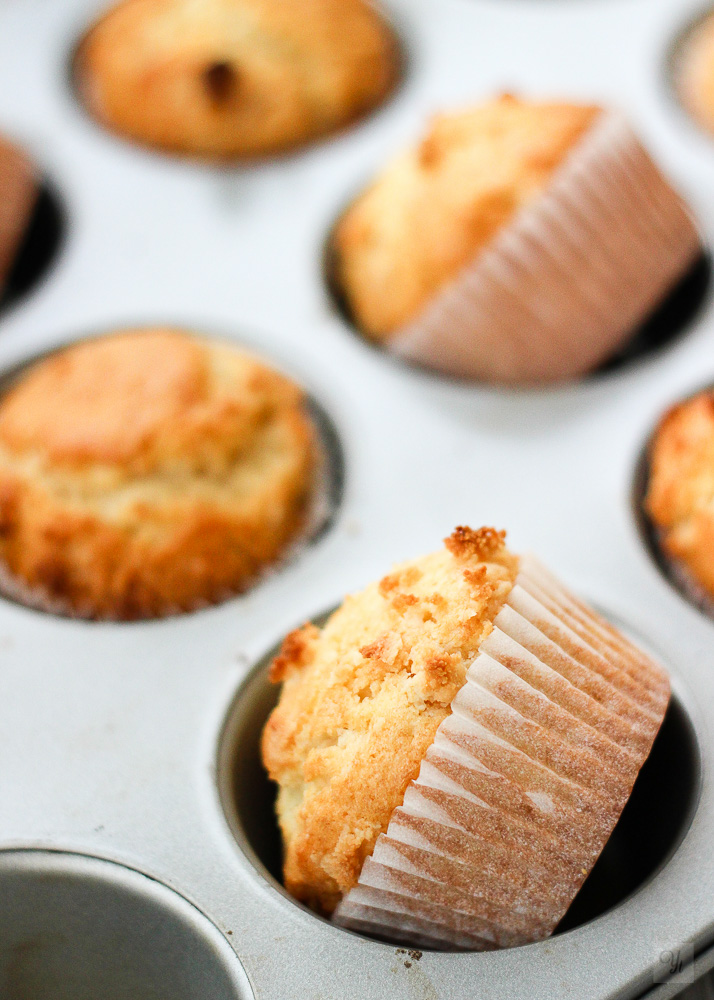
[(149, 472), (19, 190), (546, 235), (468, 819)]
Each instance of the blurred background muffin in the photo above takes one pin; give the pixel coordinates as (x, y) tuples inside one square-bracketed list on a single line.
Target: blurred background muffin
[(19, 190), (680, 491), (454, 747), (148, 472), (694, 72), (518, 242), (235, 78)]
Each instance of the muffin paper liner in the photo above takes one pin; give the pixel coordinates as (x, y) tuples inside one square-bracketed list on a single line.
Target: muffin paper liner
[(568, 281), (18, 193), (523, 784)]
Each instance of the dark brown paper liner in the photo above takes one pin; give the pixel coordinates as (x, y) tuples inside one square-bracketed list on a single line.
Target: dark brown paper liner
[(18, 194), (564, 285), (524, 782)]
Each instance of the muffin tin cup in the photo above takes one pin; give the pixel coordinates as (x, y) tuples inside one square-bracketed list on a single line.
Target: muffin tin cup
[(74, 927), (646, 836), (561, 288)]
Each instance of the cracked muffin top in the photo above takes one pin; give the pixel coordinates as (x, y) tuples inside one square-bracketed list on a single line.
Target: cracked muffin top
[(362, 699), (435, 206), (149, 471), (233, 78), (680, 494)]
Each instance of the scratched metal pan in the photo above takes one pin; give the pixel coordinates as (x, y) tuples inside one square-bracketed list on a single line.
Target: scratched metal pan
[(138, 854)]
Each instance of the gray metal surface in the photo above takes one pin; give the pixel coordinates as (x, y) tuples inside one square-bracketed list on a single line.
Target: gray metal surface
[(76, 928), (110, 735)]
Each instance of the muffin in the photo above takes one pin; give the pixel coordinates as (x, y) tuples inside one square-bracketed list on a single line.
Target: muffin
[(453, 749), (235, 78), (18, 194), (148, 472), (680, 488), (518, 242), (694, 72)]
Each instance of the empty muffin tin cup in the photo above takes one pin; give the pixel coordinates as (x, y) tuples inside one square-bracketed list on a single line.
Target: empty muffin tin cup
[(646, 836), (74, 927), (607, 244), (321, 509)]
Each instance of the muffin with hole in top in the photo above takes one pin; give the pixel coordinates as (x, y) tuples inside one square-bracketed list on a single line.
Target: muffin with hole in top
[(149, 472), (235, 78)]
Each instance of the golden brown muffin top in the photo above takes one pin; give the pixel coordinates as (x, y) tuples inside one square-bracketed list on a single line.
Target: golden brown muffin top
[(362, 699), (147, 472), (695, 73), (142, 399), (234, 77), (681, 485), (435, 206)]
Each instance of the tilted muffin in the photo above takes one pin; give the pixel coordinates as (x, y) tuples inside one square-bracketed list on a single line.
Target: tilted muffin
[(454, 747), (517, 242), (234, 78), (148, 472), (681, 487), (695, 72), (18, 195)]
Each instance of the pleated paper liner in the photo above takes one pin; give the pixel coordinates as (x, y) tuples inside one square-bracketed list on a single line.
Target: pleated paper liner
[(523, 784), (568, 281)]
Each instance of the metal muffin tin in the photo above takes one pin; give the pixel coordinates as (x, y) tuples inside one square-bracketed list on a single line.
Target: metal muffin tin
[(136, 743)]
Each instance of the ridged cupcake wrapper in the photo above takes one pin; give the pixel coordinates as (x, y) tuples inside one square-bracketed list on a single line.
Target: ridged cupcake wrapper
[(523, 784), (570, 278), (18, 194)]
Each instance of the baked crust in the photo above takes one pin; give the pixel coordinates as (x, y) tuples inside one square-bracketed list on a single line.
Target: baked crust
[(437, 205), (149, 472), (234, 78), (681, 486), (695, 74), (362, 699)]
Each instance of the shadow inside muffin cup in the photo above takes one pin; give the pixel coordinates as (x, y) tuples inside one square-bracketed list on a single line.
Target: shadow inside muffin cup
[(39, 248), (322, 508), (651, 826), (674, 571), (666, 323)]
